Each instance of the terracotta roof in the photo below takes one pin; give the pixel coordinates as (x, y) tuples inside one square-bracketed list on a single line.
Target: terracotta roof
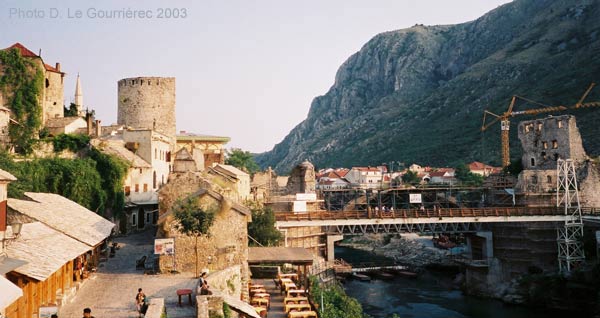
[(6, 176), (116, 146), (342, 172), (476, 165), (370, 169), (279, 255), (65, 216), (437, 174), (52, 68), (25, 52), (61, 122), (44, 249)]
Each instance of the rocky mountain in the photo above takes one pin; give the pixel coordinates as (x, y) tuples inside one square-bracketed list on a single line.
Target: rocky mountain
[(418, 94)]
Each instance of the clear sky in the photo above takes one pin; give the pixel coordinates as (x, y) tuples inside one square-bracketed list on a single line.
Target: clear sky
[(245, 69)]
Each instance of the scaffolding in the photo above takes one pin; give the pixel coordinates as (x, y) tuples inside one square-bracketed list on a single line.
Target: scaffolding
[(570, 238)]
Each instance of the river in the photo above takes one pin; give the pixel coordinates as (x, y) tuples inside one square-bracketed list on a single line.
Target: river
[(429, 296)]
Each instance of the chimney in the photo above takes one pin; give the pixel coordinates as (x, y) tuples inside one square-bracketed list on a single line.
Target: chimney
[(57, 66), (98, 128), (90, 128)]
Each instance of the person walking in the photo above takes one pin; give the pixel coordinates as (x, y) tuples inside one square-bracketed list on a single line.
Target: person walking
[(87, 313), (140, 302)]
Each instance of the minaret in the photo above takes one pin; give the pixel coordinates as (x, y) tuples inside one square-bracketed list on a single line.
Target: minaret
[(79, 97)]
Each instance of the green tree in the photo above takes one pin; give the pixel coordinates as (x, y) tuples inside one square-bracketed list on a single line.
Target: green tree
[(466, 177), (71, 111), (410, 177), (335, 301), (262, 228), (193, 220), (242, 160), (514, 168)]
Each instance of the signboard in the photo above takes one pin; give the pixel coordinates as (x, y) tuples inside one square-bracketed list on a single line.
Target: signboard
[(299, 206), (306, 196), (415, 198), (164, 246), (48, 311)]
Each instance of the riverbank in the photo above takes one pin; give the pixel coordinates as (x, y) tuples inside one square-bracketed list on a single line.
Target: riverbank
[(409, 249), (432, 294)]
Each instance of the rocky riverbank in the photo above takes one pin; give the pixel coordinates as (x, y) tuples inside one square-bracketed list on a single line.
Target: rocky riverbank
[(409, 249)]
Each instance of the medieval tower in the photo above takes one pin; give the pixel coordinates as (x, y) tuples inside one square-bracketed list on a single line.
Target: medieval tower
[(147, 102)]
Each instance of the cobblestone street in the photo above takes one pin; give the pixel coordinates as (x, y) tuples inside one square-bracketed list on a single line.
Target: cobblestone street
[(111, 291)]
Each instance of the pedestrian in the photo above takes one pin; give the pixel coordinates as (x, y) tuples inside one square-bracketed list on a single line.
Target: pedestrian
[(87, 313), (204, 285), (140, 301)]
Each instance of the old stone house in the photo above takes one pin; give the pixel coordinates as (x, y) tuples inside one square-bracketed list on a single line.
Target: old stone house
[(65, 125), (53, 89), (235, 178), (544, 141), (227, 243)]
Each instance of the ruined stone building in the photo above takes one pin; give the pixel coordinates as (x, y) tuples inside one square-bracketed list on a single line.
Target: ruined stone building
[(544, 141), (302, 179), (232, 178), (52, 97), (227, 245)]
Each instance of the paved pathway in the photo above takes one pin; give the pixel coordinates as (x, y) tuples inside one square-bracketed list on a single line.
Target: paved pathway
[(110, 293)]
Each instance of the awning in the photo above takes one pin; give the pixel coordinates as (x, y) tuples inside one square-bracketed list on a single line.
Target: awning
[(240, 306), (279, 255), (10, 293)]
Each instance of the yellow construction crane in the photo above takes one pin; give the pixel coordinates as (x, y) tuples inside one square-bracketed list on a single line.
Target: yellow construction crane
[(504, 119)]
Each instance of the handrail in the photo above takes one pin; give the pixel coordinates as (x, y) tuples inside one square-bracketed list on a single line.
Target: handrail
[(429, 213)]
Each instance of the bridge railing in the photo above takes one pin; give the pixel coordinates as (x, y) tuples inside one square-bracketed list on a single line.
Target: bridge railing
[(426, 213)]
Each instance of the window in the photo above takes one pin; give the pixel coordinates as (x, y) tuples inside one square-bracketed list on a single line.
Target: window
[(137, 187), (168, 156), (155, 153), (533, 162), (47, 83), (539, 126), (134, 219), (559, 124), (549, 179), (527, 128), (145, 187), (147, 217), (545, 145), (554, 144), (555, 157), (127, 190), (154, 180), (534, 179), (140, 170)]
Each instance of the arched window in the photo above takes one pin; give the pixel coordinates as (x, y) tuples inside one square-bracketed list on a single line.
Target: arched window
[(533, 162), (154, 179)]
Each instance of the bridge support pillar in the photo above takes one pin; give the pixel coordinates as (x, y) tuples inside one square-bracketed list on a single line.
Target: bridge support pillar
[(481, 245), (331, 239)]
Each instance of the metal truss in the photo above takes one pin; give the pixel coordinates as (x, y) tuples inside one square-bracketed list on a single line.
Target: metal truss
[(570, 238), (404, 228)]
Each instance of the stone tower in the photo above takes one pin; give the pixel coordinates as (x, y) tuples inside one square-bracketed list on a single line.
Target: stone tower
[(302, 179), (78, 97), (148, 102)]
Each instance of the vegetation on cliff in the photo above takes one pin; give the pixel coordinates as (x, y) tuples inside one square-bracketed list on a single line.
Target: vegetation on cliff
[(418, 94)]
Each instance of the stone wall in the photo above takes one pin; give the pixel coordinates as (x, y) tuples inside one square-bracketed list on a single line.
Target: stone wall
[(147, 102), (227, 281), (53, 100), (309, 237), (155, 308), (302, 179)]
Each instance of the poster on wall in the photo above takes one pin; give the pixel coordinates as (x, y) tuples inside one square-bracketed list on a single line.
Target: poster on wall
[(48, 311), (164, 246), (415, 198)]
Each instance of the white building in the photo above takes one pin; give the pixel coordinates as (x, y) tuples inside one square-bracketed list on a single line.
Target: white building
[(366, 177)]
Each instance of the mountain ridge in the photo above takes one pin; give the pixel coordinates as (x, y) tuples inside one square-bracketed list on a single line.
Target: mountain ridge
[(418, 94)]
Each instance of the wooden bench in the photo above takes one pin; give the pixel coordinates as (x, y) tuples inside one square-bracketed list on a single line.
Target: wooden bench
[(182, 292)]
